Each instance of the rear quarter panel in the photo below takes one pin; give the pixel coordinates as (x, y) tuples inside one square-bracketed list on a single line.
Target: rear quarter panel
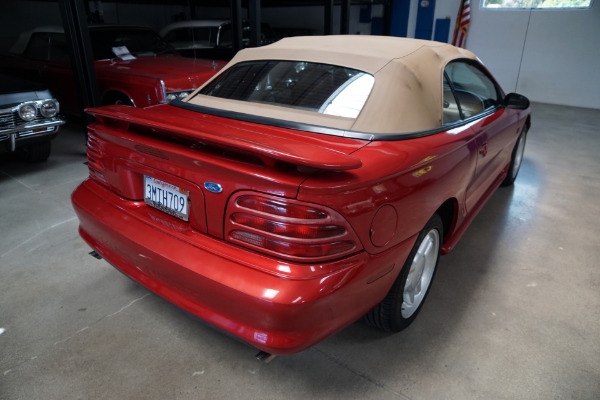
[(143, 90), (414, 176)]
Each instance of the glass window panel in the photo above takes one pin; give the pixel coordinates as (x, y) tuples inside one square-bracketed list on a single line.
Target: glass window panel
[(528, 4), (474, 91), (323, 88)]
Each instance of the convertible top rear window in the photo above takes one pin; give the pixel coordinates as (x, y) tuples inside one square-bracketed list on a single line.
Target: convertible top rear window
[(323, 88)]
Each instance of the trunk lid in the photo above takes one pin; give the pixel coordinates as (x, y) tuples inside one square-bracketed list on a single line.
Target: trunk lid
[(209, 157)]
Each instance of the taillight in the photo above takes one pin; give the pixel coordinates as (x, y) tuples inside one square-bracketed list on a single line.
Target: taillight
[(279, 207), (288, 228), (94, 158)]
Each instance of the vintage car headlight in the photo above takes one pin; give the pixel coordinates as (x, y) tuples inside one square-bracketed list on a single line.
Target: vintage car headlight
[(49, 108), (177, 95), (27, 112)]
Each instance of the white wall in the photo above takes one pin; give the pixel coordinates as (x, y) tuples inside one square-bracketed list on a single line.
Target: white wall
[(559, 51), (446, 9), (551, 56)]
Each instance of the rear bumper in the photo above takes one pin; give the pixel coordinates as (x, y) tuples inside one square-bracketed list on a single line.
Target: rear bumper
[(228, 286)]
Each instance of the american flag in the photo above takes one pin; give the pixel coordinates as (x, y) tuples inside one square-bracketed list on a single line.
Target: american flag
[(463, 20)]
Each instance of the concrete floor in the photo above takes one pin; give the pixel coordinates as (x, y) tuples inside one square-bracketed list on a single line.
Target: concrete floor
[(514, 312)]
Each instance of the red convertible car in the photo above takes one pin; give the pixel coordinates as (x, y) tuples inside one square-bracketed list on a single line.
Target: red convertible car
[(310, 183), (134, 66)]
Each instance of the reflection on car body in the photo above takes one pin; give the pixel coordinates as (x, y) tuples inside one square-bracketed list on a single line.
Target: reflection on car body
[(345, 165)]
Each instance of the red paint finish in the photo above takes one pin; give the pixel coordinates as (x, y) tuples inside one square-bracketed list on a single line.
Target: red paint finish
[(278, 306), (298, 151), (144, 80), (140, 79), (349, 190), (384, 225)]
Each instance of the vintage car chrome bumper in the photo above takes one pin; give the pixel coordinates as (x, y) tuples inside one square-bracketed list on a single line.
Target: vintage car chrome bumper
[(14, 130)]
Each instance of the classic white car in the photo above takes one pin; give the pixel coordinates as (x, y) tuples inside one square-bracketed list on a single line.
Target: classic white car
[(210, 39)]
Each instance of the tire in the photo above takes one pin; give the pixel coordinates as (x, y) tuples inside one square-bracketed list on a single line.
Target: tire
[(516, 160), (36, 152), (406, 297)]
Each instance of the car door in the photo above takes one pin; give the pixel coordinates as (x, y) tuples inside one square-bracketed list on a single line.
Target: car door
[(480, 101)]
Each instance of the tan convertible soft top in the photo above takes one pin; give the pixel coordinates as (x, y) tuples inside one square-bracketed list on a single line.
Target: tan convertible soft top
[(406, 96)]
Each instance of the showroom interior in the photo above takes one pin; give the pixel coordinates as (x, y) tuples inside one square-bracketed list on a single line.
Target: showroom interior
[(513, 312)]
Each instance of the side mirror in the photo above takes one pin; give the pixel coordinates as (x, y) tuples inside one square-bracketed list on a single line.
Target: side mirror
[(516, 101)]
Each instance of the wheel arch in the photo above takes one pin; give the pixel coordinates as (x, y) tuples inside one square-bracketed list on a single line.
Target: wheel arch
[(448, 213), (112, 95)]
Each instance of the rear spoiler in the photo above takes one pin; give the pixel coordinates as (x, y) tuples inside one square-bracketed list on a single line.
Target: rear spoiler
[(263, 144)]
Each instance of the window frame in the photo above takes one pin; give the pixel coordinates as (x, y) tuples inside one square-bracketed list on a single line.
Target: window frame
[(485, 111), (42, 37), (271, 79), (484, 6)]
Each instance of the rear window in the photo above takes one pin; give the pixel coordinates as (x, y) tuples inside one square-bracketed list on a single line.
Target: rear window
[(205, 36), (322, 88)]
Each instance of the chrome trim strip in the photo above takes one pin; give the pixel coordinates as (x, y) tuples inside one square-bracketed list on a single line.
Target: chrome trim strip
[(164, 92), (36, 103), (24, 129)]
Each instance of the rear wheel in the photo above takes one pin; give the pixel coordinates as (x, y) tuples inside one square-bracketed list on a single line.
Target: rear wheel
[(36, 152), (516, 160), (405, 299)]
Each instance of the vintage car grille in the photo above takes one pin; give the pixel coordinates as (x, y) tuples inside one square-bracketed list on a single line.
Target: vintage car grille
[(10, 120)]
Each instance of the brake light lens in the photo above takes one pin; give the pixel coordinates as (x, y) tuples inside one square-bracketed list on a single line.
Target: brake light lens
[(289, 228), (94, 157), (280, 208)]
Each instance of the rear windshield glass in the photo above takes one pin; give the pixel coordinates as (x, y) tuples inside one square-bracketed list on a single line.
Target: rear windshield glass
[(323, 88)]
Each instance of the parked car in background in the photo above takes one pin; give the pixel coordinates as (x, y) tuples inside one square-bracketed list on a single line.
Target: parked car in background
[(134, 66), (310, 183), (29, 118), (210, 39)]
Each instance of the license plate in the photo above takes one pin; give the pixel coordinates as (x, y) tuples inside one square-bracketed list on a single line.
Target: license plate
[(166, 197)]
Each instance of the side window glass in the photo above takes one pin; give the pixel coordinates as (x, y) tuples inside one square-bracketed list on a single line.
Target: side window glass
[(206, 36), (473, 89), (179, 35), (38, 47), (450, 107), (58, 50), (225, 36)]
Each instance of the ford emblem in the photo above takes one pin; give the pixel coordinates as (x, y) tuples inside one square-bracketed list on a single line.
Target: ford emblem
[(213, 187)]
